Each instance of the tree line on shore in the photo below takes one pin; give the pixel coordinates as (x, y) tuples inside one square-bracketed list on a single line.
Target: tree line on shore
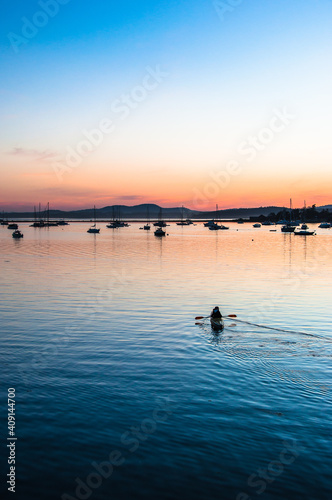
[(309, 214)]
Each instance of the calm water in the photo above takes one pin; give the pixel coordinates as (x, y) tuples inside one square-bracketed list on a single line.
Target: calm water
[(99, 340)]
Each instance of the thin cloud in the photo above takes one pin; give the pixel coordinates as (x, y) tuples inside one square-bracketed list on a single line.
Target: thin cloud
[(132, 197), (40, 155)]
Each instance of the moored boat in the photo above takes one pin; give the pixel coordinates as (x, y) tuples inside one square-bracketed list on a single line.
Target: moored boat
[(209, 223), (182, 222), (147, 226), (93, 229), (305, 232), (159, 232), (217, 227), (288, 228), (17, 234), (12, 226)]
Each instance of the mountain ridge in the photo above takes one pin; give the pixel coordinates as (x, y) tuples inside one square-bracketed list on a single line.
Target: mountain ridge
[(140, 211)]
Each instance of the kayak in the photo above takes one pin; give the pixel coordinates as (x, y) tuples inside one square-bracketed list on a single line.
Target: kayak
[(217, 324)]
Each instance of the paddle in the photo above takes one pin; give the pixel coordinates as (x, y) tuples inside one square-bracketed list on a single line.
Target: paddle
[(207, 317)]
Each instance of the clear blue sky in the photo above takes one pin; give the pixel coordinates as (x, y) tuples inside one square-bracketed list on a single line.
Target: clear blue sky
[(225, 79)]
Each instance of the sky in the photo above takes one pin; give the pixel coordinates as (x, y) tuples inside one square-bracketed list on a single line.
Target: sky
[(176, 103)]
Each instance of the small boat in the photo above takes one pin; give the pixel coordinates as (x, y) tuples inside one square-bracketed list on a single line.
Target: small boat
[(217, 227), (159, 232), (12, 226), (62, 223), (4, 223), (93, 229), (257, 225), (288, 228), (39, 223), (209, 223), (214, 227), (325, 225), (17, 234), (217, 324), (304, 232), (147, 227), (267, 223)]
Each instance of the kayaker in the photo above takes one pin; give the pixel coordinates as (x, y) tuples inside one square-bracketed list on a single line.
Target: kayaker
[(216, 313)]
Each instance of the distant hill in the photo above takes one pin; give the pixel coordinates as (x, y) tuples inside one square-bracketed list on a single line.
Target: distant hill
[(140, 212), (325, 207)]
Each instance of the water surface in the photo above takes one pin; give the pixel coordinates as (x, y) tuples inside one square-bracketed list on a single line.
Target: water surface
[(98, 334)]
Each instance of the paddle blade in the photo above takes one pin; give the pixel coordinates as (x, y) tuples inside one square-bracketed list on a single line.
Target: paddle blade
[(231, 316), (200, 317)]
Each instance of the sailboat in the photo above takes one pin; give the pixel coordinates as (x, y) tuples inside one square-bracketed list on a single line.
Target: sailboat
[(182, 222), (93, 229), (304, 229), (117, 222), (160, 222), (290, 226), (48, 223), (40, 222), (215, 226), (147, 225)]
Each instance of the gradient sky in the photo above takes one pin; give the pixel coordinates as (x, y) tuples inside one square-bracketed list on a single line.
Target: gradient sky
[(225, 79)]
